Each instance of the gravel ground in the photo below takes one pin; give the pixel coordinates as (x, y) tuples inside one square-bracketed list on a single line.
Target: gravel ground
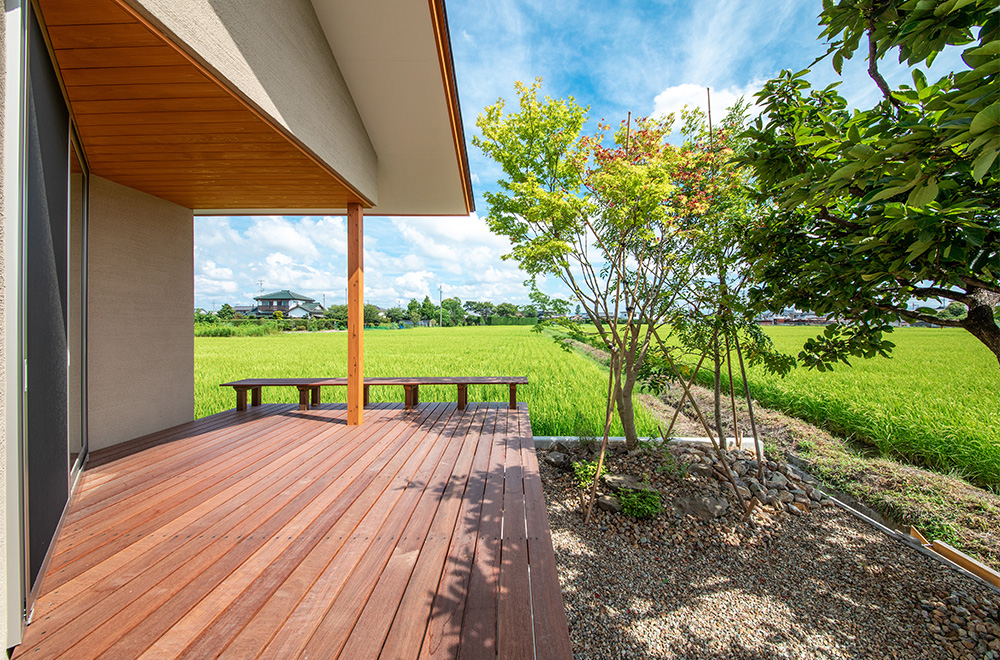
[(818, 585)]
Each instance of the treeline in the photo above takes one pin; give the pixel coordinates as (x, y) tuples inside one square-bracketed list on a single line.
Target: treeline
[(452, 312)]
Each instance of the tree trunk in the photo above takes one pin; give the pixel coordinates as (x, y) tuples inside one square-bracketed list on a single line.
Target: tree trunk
[(626, 410), (720, 430), (980, 321)]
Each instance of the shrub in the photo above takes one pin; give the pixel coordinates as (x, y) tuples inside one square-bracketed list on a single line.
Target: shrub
[(585, 472), (640, 503), (235, 330)]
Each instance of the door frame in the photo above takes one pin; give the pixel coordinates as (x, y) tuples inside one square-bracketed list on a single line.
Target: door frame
[(21, 594)]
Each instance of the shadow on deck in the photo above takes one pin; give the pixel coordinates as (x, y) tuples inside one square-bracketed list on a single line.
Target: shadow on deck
[(275, 533)]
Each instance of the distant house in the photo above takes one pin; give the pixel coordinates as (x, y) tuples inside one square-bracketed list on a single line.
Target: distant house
[(290, 304), (243, 310)]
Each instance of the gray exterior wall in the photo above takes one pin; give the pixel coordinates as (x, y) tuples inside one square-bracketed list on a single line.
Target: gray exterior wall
[(140, 369), (302, 89)]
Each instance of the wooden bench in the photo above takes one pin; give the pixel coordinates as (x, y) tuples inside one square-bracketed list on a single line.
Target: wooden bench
[(309, 388)]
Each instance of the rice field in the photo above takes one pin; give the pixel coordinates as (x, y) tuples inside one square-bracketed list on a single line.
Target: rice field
[(565, 392), (936, 402)]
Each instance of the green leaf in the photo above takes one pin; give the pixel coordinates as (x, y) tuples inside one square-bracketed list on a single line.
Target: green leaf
[(919, 80), (890, 192), (923, 195), (982, 164), (847, 170), (987, 119)]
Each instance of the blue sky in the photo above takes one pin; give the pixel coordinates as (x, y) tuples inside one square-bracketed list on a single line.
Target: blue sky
[(649, 57)]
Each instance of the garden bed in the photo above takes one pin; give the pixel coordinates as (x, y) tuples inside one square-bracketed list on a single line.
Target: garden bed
[(814, 584)]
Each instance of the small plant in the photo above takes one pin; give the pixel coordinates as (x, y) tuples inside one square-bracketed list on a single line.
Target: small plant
[(640, 503), (670, 465), (585, 472)]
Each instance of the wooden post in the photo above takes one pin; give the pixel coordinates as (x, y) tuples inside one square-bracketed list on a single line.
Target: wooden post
[(255, 396), (241, 399), (355, 316), (463, 396), (513, 396)]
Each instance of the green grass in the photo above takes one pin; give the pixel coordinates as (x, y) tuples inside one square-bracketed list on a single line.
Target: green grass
[(565, 392), (935, 403)]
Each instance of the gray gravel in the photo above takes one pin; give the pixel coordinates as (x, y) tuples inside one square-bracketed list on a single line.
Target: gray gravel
[(814, 586)]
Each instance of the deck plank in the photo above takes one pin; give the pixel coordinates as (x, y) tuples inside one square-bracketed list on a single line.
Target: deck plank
[(424, 540), (515, 638), (441, 639), (218, 618), (414, 614), (548, 612), (479, 623), (277, 533), (145, 511), (404, 527), (162, 564)]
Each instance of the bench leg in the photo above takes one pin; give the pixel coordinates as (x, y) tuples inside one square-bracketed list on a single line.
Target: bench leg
[(513, 396), (255, 396), (303, 397), (463, 396), (408, 396), (365, 405), (314, 399), (416, 396), (241, 399)]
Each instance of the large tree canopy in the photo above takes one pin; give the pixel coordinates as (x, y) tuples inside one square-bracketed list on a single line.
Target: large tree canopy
[(872, 209)]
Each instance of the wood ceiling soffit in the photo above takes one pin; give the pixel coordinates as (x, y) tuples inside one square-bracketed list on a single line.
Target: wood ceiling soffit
[(153, 119)]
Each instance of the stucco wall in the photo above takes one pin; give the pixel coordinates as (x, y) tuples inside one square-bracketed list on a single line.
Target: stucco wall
[(140, 345), (277, 55)]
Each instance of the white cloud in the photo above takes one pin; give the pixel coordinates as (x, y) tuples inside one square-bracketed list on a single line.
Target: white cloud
[(277, 233), (674, 98)]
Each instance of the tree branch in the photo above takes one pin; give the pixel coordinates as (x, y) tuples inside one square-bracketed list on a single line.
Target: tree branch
[(873, 72)]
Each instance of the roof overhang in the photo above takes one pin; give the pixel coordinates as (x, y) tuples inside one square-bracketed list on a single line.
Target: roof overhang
[(395, 56), (154, 116)]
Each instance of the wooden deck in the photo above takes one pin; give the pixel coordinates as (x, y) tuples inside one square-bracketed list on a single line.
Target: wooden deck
[(275, 533)]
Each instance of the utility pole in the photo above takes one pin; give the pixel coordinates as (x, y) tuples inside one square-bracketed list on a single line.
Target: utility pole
[(440, 305)]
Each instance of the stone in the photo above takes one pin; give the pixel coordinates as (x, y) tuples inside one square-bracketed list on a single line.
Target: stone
[(558, 459), (778, 480), (609, 503), (802, 499), (793, 510), (634, 452), (740, 468), (827, 502), (744, 491), (785, 496), (703, 508), (701, 470), (816, 495), (616, 482)]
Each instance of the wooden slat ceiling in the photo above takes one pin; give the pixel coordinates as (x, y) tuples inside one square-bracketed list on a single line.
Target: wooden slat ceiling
[(152, 119)]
